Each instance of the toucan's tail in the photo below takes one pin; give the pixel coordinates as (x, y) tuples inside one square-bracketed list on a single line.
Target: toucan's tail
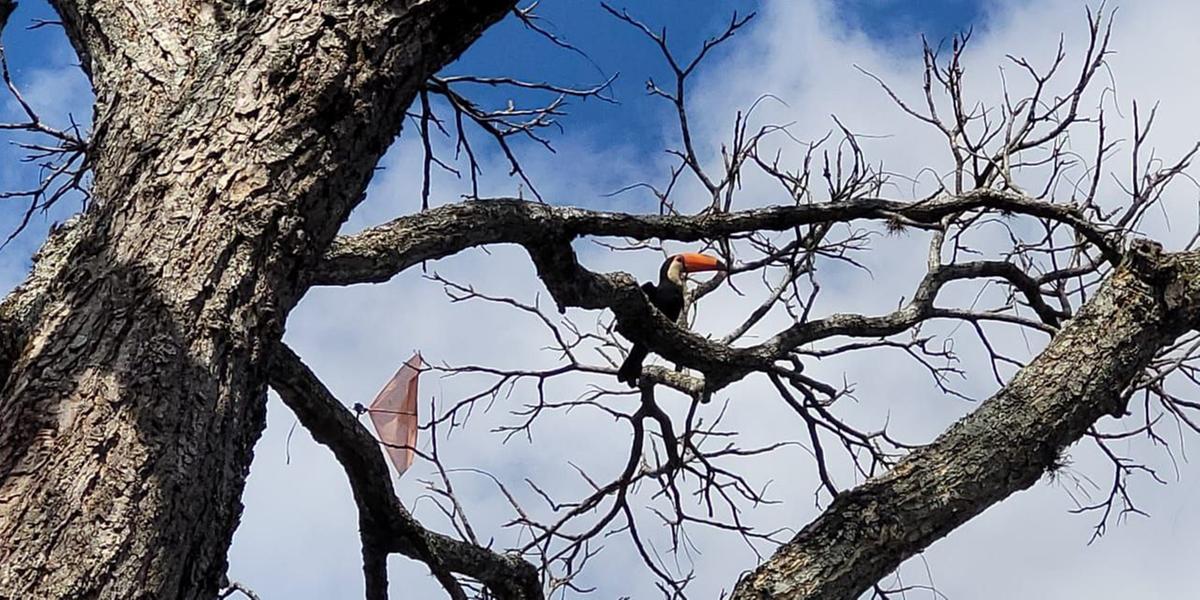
[(631, 369)]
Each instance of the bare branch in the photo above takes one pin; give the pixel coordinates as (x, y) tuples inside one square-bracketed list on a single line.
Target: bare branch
[(385, 524), (1004, 446), (379, 253)]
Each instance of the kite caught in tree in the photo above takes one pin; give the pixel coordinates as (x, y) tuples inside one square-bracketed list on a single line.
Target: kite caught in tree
[(394, 413), (667, 297)]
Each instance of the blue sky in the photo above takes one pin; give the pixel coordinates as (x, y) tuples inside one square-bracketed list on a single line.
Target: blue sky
[(635, 122), (616, 48), (298, 537)]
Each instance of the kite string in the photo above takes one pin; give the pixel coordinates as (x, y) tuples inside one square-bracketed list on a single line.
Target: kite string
[(360, 410)]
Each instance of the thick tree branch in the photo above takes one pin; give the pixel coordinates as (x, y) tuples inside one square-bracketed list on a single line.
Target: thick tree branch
[(546, 232), (572, 285), (385, 524), (1003, 447), (379, 253), (6, 9)]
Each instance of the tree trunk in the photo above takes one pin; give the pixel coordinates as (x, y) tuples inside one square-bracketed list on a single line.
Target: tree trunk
[(231, 141)]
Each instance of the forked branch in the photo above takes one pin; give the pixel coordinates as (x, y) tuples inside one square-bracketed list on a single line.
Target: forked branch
[(385, 524)]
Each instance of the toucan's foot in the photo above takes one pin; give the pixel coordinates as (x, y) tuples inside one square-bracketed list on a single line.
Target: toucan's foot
[(631, 369)]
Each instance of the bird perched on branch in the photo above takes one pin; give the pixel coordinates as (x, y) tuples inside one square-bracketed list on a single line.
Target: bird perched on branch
[(667, 296)]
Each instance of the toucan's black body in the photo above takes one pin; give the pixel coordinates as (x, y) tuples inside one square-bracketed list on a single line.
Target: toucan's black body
[(667, 297)]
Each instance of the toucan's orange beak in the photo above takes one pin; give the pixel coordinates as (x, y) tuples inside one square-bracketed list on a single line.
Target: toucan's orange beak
[(694, 261)]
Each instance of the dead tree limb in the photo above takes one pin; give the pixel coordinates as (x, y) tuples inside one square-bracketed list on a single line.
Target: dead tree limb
[(384, 523), (1004, 446)]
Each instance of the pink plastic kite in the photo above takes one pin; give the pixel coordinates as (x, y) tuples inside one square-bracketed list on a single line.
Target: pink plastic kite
[(394, 413)]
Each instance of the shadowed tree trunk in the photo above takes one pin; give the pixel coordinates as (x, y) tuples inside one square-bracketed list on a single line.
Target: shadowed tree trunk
[(231, 140)]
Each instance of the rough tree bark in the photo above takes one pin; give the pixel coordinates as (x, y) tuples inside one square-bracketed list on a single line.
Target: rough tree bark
[(231, 140)]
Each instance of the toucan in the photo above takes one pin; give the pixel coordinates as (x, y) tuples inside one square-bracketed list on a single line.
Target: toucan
[(667, 297)]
